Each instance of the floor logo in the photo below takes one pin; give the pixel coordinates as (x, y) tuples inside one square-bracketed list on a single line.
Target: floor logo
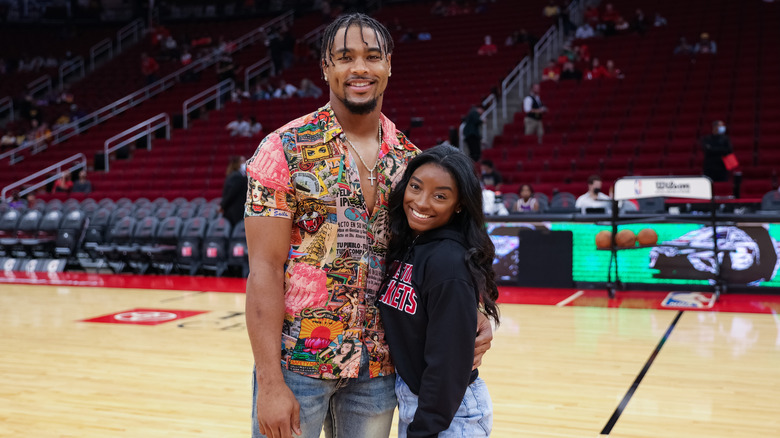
[(144, 316), (689, 300)]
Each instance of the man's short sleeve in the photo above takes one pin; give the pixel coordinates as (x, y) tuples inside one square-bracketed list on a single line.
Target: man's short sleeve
[(269, 192)]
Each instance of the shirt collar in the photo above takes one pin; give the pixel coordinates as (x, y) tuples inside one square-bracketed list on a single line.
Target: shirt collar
[(333, 129)]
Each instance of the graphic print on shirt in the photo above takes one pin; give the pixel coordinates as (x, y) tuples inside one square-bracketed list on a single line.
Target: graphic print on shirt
[(311, 214), (400, 293), (320, 335)]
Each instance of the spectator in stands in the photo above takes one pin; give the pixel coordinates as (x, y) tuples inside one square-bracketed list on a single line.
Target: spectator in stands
[(526, 203), (149, 68), (716, 146), (255, 128), (705, 45), (683, 48), (591, 16), (585, 31), (488, 48), (276, 50), (16, 201), (597, 71), (226, 69), (263, 90), (551, 10), (552, 72), (472, 131), (285, 90), (492, 204), (512, 39), (534, 112), (82, 185), (613, 72), (659, 20), (234, 191), (8, 141), (239, 127), (639, 22), (569, 72), (622, 26), (438, 9), (594, 197), (63, 184), (308, 89), (489, 176), (170, 47)]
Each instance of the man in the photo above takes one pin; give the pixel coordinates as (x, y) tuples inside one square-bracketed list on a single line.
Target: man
[(716, 146), (316, 226), (472, 132), (534, 110), (594, 197), (489, 177)]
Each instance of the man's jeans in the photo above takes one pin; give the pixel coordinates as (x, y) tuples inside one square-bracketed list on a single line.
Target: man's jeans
[(347, 408)]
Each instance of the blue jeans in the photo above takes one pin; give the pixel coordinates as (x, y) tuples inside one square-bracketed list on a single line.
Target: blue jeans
[(473, 419), (347, 408)]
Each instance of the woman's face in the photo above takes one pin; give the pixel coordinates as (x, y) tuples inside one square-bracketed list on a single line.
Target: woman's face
[(431, 198), (525, 192)]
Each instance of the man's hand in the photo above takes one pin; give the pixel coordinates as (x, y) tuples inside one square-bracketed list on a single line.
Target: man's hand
[(484, 337), (278, 412)]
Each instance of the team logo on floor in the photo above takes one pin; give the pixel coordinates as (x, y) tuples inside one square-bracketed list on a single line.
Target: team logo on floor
[(689, 300), (144, 316)]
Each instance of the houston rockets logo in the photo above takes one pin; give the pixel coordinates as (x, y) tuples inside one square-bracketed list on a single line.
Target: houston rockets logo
[(400, 293)]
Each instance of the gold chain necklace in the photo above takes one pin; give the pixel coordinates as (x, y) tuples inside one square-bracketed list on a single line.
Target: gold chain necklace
[(371, 177)]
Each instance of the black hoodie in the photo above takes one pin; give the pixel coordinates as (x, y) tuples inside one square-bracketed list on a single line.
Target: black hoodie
[(429, 309)]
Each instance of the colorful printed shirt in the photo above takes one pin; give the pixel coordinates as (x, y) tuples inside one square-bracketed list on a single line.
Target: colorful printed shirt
[(304, 171)]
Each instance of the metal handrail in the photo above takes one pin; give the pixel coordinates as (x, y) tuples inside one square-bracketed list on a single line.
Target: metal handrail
[(78, 126), (131, 29), (256, 70), (145, 128), (68, 67), (104, 46), (214, 93), (42, 83), (516, 78), (7, 104), (82, 164)]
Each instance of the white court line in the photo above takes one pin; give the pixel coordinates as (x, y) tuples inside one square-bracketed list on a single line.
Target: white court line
[(571, 298)]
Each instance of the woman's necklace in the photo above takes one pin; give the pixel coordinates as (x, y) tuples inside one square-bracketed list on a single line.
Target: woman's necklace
[(371, 177)]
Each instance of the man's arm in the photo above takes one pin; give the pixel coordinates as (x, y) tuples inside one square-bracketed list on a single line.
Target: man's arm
[(484, 338), (268, 240)]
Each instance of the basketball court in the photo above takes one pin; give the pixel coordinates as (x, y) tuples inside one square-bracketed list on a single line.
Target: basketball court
[(104, 356)]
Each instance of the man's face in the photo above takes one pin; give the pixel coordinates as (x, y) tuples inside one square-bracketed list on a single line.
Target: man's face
[(536, 88), (358, 75), (595, 186)]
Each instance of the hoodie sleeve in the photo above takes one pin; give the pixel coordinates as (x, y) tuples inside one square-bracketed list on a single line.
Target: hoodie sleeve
[(449, 354)]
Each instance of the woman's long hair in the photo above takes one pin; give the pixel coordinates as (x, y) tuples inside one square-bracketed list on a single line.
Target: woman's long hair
[(470, 222)]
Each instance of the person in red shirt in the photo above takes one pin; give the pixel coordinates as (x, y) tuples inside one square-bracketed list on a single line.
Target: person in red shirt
[(149, 68), (64, 184), (487, 49), (597, 71)]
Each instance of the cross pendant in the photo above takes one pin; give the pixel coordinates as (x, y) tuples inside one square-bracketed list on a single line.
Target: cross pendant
[(372, 178)]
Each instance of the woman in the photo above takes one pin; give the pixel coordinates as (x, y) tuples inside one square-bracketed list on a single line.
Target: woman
[(439, 273), (527, 203)]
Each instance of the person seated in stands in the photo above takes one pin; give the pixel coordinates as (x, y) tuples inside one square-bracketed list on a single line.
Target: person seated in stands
[(597, 71), (492, 206), (639, 22), (613, 72), (40, 132), (255, 128), (585, 31), (569, 72), (526, 203), (262, 90), (609, 18), (438, 9), (489, 176), (238, 94), (170, 47), (8, 141), (659, 20), (552, 10), (285, 90), (705, 45), (594, 197), (149, 68), (64, 184), (308, 89), (239, 127), (552, 72), (488, 48), (16, 201), (622, 26), (683, 48), (82, 184)]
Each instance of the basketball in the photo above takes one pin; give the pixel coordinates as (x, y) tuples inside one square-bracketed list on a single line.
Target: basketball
[(603, 239), (625, 238), (647, 236)]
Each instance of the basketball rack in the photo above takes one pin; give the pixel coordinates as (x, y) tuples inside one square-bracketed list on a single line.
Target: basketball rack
[(689, 187)]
